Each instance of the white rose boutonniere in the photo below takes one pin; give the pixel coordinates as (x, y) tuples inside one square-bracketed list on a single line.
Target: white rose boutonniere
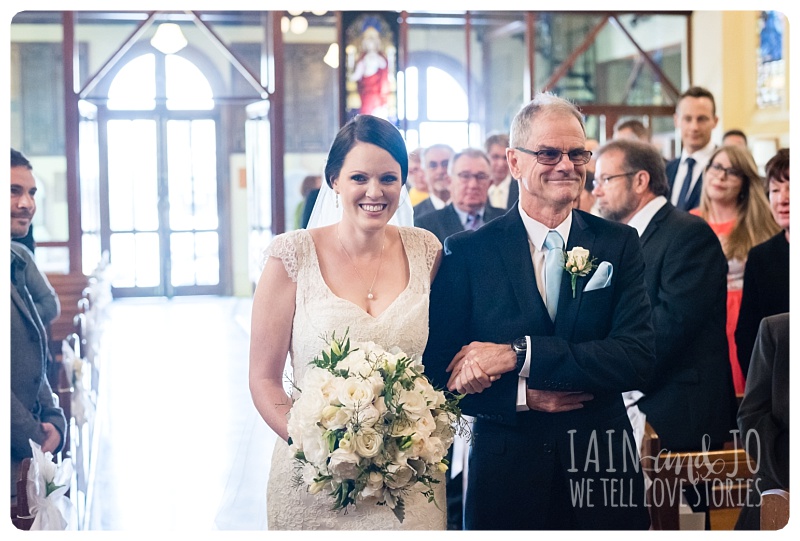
[(578, 262)]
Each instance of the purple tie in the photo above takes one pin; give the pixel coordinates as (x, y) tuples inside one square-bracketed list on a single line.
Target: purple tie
[(472, 221)]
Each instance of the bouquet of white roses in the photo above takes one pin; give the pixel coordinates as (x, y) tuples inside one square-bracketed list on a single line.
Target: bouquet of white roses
[(368, 426)]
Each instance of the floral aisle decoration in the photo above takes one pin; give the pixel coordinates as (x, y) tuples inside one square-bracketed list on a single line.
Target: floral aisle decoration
[(368, 426), (48, 483)]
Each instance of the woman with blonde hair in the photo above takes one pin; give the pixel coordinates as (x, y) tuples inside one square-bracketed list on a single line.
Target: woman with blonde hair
[(734, 204)]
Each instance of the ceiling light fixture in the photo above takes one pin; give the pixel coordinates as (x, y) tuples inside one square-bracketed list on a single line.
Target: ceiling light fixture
[(168, 38)]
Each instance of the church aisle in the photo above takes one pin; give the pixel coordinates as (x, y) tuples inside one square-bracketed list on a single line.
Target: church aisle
[(181, 446)]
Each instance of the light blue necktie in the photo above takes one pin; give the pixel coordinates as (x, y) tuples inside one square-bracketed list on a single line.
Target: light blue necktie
[(553, 268), (472, 221)]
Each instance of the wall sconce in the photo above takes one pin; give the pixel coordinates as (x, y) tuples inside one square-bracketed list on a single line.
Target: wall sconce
[(332, 56), (168, 38)]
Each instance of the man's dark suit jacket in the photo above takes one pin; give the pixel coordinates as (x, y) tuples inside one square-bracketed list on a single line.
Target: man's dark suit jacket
[(423, 207), (445, 222), (693, 200), (765, 410), (523, 466), (691, 393), (32, 400), (765, 293)]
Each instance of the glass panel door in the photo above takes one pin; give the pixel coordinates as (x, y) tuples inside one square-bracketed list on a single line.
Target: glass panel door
[(163, 207)]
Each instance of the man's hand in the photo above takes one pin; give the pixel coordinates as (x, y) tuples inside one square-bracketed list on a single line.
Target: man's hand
[(556, 401), (478, 364), (52, 439)]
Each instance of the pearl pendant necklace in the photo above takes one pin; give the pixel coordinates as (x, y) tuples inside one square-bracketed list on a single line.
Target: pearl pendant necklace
[(370, 295)]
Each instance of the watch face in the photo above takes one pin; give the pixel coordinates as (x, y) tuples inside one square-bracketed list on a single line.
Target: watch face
[(520, 344)]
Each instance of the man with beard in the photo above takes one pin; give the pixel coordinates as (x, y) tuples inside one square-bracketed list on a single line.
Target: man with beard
[(34, 414), (691, 395)]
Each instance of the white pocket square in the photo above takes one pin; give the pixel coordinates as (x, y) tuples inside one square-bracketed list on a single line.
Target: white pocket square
[(601, 277)]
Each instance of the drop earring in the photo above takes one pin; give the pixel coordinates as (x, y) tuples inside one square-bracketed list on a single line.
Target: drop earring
[(337, 200)]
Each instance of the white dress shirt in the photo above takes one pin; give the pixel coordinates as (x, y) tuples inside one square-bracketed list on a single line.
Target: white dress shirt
[(701, 158), (498, 193), (438, 204), (641, 219), (537, 233)]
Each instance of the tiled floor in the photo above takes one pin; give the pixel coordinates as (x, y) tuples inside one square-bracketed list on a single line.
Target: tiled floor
[(181, 446)]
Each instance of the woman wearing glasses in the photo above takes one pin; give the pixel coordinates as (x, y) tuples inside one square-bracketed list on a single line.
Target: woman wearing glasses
[(735, 206)]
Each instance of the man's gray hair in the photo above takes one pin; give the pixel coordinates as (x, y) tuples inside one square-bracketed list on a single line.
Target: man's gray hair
[(470, 153), (441, 146), (543, 103)]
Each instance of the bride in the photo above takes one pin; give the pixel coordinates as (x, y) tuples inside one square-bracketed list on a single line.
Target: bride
[(361, 274)]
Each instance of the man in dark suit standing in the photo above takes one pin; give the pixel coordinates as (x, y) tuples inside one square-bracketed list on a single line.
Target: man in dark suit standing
[(435, 164), (468, 208), (34, 414), (691, 394), (546, 352), (504, 190), (696, 117)]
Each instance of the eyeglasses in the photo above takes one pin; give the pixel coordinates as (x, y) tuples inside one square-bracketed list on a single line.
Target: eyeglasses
[(465, 176), (596, 183), (434, 165), (726, 171), (552, 156)]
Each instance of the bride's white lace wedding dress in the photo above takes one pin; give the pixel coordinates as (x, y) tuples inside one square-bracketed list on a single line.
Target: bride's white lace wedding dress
[(319, 312)]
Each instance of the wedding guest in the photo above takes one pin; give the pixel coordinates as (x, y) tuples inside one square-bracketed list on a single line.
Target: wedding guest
[(688, 402), (504, 190), (764, 415), (766, 275), (632, 129), (417, 187), (550, 358), (34, 413), (734, 205), (696, 117), (736, 138), (435, 163), (309, 189), (469, 207)]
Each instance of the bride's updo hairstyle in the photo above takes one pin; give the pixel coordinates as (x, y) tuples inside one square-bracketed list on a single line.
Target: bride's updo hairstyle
[(366, 129)]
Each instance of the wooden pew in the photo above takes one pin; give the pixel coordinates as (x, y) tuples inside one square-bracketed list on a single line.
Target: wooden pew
[(20, 513), (725, 474), (774, 509)]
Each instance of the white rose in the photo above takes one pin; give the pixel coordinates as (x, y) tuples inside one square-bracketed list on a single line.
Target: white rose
[(343, 464), (315, 447), (367, 442), (433, 451), (368, 416), (578, 260), (399, 475), (412, 403), (380, 405), (346, 442), (355, 394), (425, 424), (403, 427), (374, 487), (334, 417)]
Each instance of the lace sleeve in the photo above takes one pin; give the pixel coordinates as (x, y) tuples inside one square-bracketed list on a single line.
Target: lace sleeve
[(283, 247), (429, 242)]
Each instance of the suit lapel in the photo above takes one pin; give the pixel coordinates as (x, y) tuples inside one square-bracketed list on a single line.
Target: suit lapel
[(655, 223), (31, 319), (515, 254), (580, 235)]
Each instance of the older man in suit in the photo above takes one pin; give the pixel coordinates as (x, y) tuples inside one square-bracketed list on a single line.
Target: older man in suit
[(468, 208), (696, 117), (690, 401), (34, 414), (546, 346), (435, 164)]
